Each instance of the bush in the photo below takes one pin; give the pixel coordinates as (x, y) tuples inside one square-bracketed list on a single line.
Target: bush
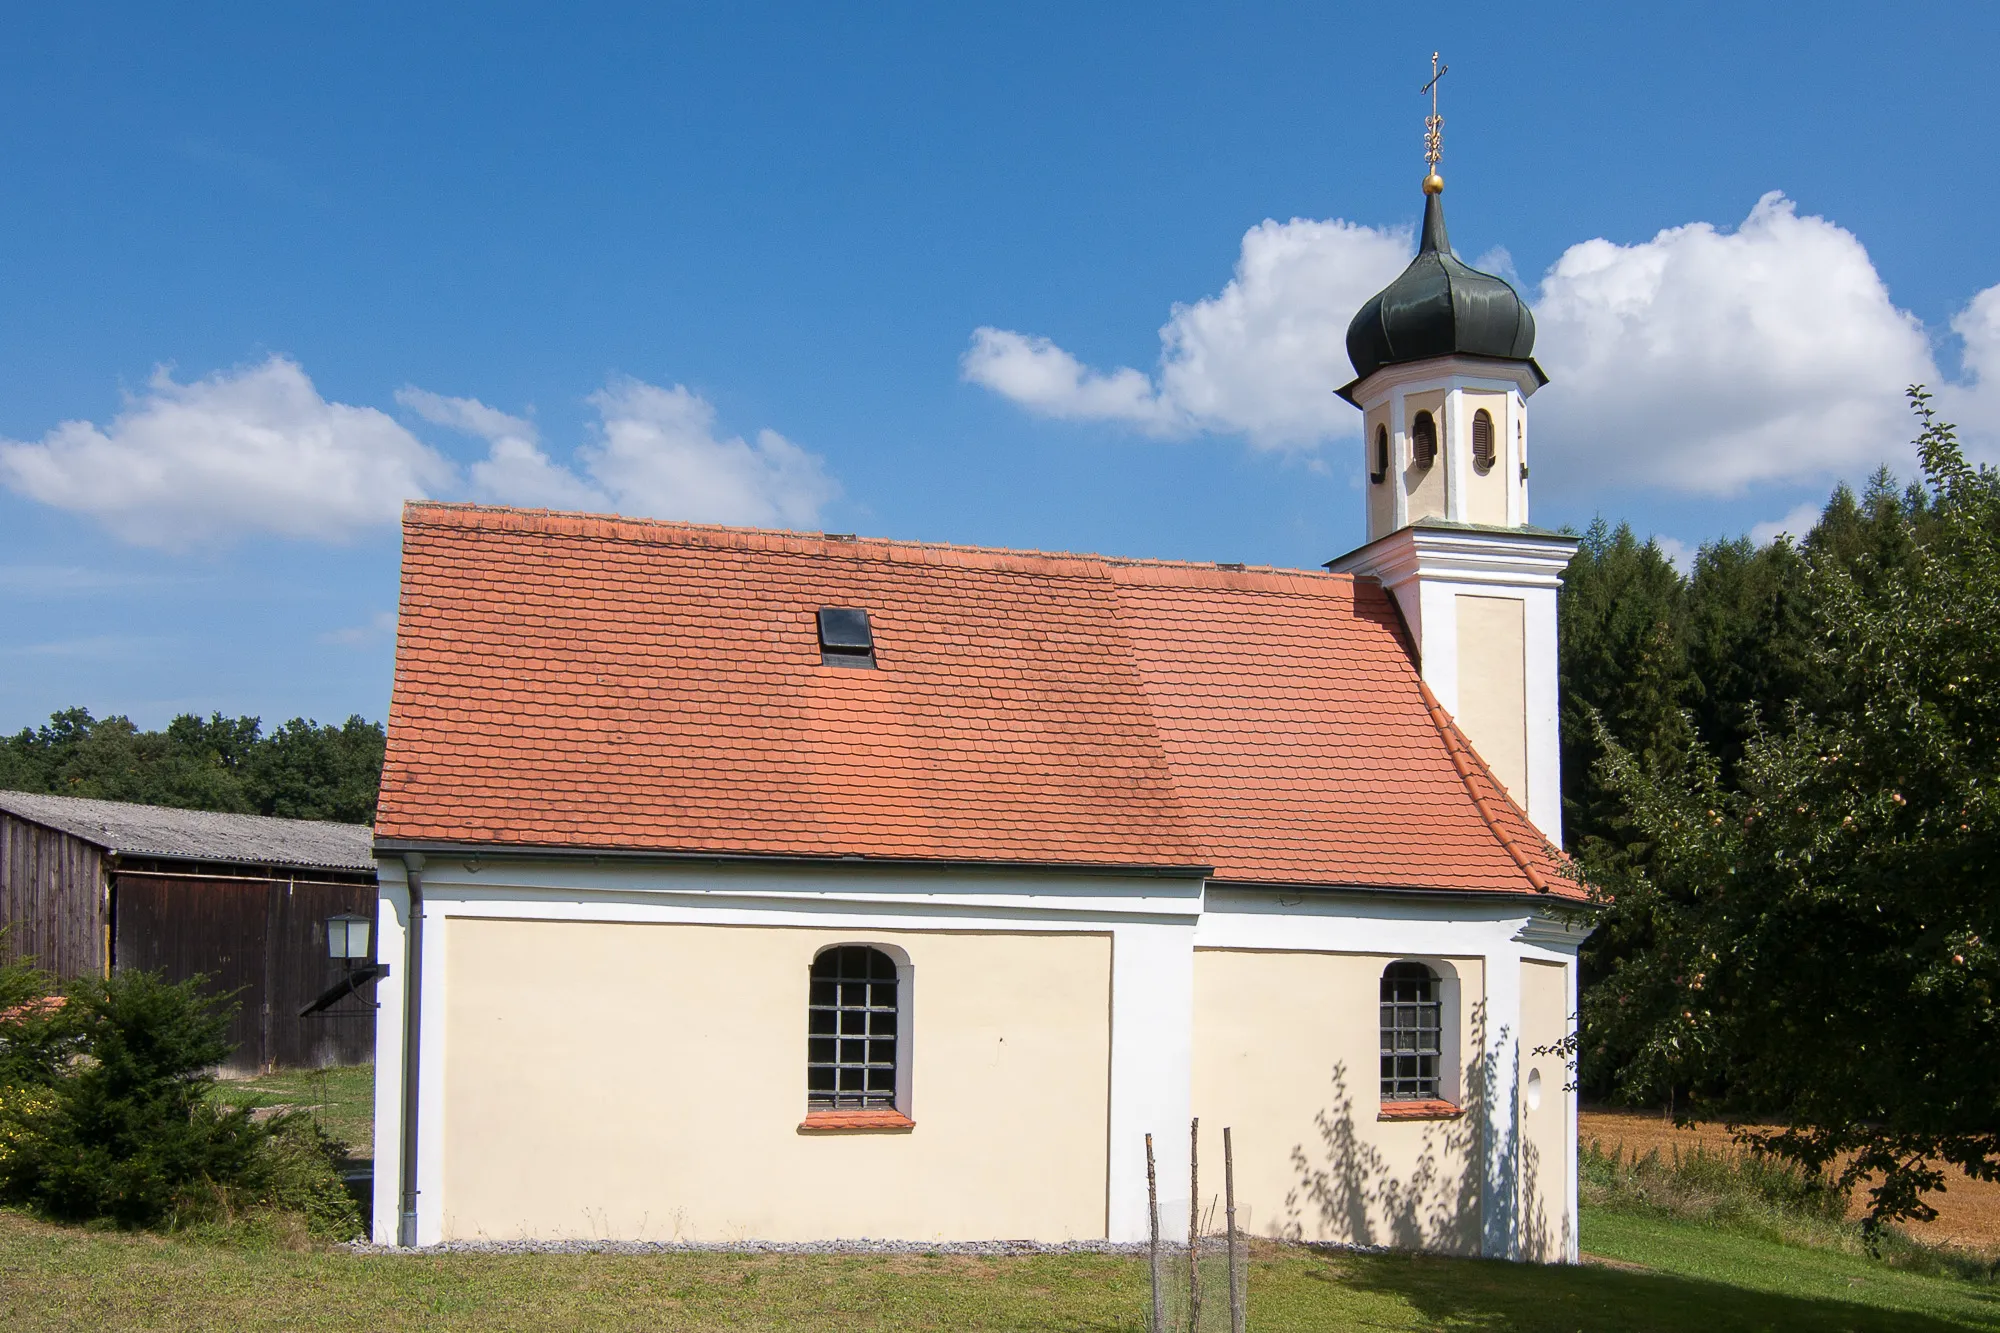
[(105, 1112)]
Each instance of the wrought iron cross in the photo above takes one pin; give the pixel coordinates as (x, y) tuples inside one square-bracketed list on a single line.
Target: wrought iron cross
[(1434, 123)]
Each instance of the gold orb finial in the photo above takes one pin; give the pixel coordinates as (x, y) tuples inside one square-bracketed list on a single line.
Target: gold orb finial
[(1433, 184)]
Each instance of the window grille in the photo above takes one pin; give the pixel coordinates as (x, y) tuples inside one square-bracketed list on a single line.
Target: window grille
[(851, 1031), (1482, 440), (1424, 440), (1412, 1033)]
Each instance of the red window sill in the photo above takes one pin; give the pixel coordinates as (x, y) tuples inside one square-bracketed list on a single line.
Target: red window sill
[(834, 1122), (1432, 1110)]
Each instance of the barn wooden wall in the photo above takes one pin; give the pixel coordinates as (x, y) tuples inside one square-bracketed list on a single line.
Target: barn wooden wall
[(262, 941), (52, 897)]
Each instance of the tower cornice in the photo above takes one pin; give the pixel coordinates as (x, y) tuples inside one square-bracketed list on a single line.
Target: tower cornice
[(1492, 372)]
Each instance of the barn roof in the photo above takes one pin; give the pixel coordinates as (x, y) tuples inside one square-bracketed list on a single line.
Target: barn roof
[(198, 835), (570, 681)]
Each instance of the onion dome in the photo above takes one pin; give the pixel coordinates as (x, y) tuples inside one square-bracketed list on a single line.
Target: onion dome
[(1440, 306)]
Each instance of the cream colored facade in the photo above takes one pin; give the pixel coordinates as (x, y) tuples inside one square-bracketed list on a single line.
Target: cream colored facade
[(645, 1082), (1548, 1113), (1493, 685), (616, 1050), (1286, 1054)]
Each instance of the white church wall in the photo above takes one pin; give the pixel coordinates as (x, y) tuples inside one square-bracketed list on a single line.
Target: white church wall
[(1149, 921), (1146, 985)]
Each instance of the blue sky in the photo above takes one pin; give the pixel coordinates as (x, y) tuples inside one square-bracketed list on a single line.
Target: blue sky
[(486, 238)]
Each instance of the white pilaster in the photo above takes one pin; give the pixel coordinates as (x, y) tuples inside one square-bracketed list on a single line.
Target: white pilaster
[(1500, 1175), (1152, 1073), (431, 1135), (1457, 456), (1544, 729), (1399, 496), (393, 895)]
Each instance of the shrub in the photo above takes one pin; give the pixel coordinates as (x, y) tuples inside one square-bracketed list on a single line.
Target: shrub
[(105, 1112)]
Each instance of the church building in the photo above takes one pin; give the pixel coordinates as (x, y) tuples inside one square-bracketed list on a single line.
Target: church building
[(755, 885)]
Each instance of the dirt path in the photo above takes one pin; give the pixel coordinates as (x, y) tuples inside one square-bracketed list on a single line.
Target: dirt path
[(1968, 1210)]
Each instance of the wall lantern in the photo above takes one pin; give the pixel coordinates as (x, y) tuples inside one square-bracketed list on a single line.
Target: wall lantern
[(347, 937)]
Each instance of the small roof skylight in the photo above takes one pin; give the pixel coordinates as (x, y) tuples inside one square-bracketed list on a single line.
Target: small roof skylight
[(845, 637)]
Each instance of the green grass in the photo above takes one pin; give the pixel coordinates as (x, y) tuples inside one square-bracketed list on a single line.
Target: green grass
[(1713, 1243), (342, 1100), (1694, 1278)]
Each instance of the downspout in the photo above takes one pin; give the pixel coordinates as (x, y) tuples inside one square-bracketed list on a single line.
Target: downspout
[(413, 986)]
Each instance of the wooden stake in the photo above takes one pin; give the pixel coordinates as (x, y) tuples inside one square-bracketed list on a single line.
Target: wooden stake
[(1159, 1324), (1236, 1292), (1194, 1224)]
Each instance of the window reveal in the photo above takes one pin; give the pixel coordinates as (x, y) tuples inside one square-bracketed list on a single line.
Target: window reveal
[(1412, 1033), (851, 1031)]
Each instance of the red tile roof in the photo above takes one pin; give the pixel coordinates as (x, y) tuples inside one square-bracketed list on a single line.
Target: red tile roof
[(564, 680)]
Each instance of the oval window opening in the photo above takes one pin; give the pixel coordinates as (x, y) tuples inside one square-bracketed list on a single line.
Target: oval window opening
[(1482, 441), (1424, 440), (1534, 1089), (1381, 469)]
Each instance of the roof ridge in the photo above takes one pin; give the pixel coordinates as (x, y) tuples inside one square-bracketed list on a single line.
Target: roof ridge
[(1463, 758), (619, 527)]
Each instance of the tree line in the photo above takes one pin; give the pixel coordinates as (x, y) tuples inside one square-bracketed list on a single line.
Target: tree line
[(300, 770), (1782, 775)]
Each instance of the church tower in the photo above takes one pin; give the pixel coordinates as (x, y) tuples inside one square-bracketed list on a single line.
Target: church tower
[(1443, 369)]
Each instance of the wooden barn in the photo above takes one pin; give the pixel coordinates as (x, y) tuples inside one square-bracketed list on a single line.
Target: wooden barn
[(88, 887)]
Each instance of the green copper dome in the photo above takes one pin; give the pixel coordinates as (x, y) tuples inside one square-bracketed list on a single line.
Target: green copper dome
[(1440, 306)]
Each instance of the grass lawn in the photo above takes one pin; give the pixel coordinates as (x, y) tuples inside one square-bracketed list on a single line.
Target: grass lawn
[(342, 1100), (1693, 1278)]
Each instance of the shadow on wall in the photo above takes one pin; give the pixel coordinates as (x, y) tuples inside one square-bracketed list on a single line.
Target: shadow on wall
[(1350, 1190)]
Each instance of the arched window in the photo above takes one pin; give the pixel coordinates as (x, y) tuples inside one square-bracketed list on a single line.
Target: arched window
[(1412, 1033), (1381, 470), (1482, 441), (851, 1030), (1424, 440)]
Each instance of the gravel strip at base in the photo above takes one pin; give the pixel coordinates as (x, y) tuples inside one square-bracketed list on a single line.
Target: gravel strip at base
[(993, 1248)]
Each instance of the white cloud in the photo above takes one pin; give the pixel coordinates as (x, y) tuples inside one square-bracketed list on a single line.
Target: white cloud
[(258, 450), (1043, 378), (1704, 360), (1796, 524), (515, 469), (250, 450), (1974, 402), (656, 454), (1260, 359)]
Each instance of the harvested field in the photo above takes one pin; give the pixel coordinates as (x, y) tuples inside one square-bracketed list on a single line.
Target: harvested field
[(1968, 1210)]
